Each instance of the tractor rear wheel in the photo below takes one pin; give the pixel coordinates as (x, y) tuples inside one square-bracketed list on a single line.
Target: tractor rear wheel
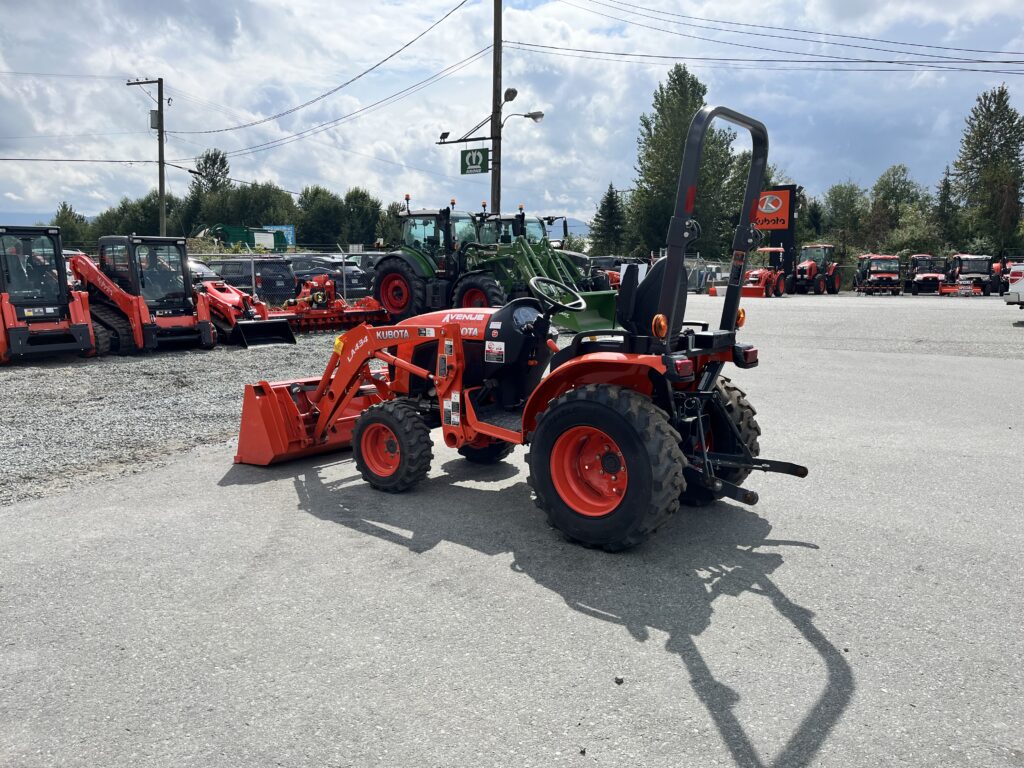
[(722, 440), (834, 282), (606, 466), (479, 290), (819, 285), (392, 446), (780, 286), (400, 290), (486, 451), (791, 284)]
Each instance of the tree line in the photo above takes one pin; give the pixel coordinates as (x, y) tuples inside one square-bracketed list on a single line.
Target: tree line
[(975, 207), (321, 217)]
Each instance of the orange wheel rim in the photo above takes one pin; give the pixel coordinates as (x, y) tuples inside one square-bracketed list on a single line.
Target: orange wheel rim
[(394, 293), (589, 471), (380, 449)]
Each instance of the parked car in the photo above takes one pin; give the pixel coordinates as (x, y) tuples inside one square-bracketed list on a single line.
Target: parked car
[(201, 271), (273, 282), (344, 269)]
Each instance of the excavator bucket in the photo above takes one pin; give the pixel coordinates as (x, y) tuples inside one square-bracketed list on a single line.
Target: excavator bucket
[(279, 420), (599, 314), (249, 332)]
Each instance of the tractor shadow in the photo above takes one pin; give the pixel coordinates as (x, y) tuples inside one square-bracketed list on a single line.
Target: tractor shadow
[(669, 584)]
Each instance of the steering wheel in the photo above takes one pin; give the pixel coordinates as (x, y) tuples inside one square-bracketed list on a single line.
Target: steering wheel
[(578, 303)]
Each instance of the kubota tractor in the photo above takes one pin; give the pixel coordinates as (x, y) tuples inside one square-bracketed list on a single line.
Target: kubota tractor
[(878, 273), (39, 312), (925, 274), (766, 279), (817, 271), (967, 275), (627, 424), (141, 292)]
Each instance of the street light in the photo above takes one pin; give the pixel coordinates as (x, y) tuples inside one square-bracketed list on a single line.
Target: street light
[(497, 123)]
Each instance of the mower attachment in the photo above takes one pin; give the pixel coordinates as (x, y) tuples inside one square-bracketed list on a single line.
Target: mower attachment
[(249, 332)]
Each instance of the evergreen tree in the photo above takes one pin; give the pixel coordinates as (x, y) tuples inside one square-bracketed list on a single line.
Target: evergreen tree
[(73, 226), (212, 170), (660, 145), (607, 230), (389, 225), (845, 208), (361, 213), (988, 174), (321, 217), (945, 212)]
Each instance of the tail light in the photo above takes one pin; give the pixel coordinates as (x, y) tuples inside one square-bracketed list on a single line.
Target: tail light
[(684, 368)]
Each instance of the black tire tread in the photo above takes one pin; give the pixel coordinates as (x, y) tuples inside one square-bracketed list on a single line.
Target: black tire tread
[(122, 342), (662, 442), (417, 286), (742, 414), (417, 447), (483, 282), (103, 339)]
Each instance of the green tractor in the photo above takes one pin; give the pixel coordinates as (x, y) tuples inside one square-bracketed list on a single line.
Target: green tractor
[(453, 259)]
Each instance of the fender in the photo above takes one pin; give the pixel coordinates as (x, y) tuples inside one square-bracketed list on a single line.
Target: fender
[(631, 371), (420, 264)]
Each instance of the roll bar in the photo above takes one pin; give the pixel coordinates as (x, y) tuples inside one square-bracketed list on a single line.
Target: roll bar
[(682, 229)]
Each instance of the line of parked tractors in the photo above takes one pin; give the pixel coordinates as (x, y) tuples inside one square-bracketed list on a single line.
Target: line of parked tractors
[(817, 271), (140, 292)]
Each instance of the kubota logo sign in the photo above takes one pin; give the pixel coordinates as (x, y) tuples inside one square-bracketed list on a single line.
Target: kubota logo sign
[(774, 209)]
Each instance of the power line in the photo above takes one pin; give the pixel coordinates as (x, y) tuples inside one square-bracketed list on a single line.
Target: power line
[(818, 56), (336, 88), (62, 74), (237, 181), (635, 9), (818, 32), (397, 96), (71, 135), (540, 48), (68, 160)]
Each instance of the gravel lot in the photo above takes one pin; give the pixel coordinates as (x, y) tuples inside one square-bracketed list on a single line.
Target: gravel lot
[(201, 613)]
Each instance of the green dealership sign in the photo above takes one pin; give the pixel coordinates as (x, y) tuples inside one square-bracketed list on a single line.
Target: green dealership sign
[(475, 161)]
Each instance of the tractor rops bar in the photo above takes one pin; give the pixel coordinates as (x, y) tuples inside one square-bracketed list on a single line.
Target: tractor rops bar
[(681, 232)]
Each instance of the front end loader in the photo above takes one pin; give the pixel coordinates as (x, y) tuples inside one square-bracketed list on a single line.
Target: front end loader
[(242, 319), (39, 312), (628, 423)]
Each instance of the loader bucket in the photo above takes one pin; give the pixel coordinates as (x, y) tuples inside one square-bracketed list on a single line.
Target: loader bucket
[(278, 422), (752, 291), (249, 332), (599, 314)]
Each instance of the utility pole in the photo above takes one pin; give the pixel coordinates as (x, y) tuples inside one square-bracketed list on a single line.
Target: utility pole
[(159, 120), (497, 101)]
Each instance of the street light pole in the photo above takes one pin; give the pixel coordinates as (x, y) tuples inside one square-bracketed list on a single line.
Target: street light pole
[(159, 83), (497, 101)]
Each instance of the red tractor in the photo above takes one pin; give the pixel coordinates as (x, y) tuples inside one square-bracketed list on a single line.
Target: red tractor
[(878, 273), (141, 293), (39, 312), (628, 423), (817, 271), (766, 279)]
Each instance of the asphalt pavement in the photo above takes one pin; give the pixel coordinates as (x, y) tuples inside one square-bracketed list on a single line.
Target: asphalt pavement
[(198, 613)]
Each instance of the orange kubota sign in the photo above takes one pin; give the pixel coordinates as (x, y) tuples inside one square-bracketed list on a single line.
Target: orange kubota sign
[(774, 209)]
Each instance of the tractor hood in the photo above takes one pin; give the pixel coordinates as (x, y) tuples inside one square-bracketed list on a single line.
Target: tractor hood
[(473, 322), (805, 266), (928, 276)]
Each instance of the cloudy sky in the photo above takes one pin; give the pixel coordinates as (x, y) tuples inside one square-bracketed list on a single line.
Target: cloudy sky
[(230, 63)]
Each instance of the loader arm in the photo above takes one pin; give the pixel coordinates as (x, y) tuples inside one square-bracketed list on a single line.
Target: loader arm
[(132, 307)]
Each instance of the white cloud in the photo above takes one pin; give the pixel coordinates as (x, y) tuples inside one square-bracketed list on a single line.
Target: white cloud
[(234, 62)]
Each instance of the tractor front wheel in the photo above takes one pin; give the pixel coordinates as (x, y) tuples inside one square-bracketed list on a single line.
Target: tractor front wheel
[(478, 290), (722, 439), (400, 290), (780, 286), (819, 285), (834, 282), (606, 466), (791, 284), (392, 446)]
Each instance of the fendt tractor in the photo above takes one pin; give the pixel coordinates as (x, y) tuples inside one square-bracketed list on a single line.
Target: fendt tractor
[(141, 292), (766, 277), (39, 312), (878, 273), (817, 271), (968, 275), (925, 274), (442, 263), (625, 426)]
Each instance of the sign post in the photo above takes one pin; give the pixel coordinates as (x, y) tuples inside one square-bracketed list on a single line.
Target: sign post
[(776, 217), (475, 161)]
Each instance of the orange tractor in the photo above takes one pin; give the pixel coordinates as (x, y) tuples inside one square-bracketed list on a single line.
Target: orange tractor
[(817, 271), (39, 312), (628, 423), (767, 278)]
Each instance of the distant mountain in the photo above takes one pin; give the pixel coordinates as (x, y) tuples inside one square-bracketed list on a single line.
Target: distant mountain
[(21, 219)]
